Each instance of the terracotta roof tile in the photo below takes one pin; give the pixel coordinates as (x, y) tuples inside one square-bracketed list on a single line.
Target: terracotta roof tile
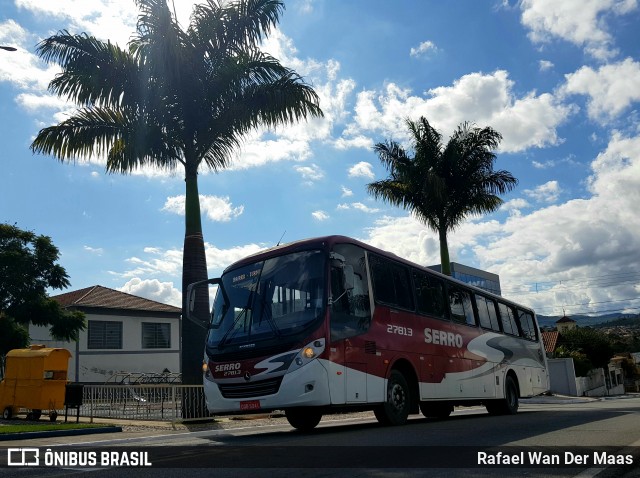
[(103, 297), (550, 340)]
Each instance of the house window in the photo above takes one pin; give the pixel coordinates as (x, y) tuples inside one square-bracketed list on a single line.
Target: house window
[(104, 334), (156, 335)]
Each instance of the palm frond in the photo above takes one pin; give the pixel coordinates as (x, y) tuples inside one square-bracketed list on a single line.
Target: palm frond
[(93, 72)]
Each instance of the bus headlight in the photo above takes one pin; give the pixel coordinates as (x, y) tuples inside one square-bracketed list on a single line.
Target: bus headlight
[(308, 353)]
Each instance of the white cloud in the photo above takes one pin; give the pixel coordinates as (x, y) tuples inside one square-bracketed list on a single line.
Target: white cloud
[(104, 19), (320, 215), (153, 289), (569, 160), (22, 68), (547, 192), (359, 206), (484, 99), (581, 22), (361, 170), (304, 6), (218, 259), (310, 173), (215, 208), (359, 141), (94, 250), (422, 49), (346, 192), (611, 88), (545, 65), (514, 206), (158, 263)]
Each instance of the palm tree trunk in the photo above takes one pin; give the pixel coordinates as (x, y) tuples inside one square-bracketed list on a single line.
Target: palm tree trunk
[(194, 268), (445, 264)]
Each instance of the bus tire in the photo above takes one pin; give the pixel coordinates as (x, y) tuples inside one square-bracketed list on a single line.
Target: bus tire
[(303, 419), (395, 409), (509, 404), (437, 410), (7, 413)]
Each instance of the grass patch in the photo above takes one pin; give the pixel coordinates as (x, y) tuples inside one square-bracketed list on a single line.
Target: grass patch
[(37, 427)]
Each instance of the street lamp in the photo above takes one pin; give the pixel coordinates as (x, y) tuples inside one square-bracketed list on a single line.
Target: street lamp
[(8, 48)]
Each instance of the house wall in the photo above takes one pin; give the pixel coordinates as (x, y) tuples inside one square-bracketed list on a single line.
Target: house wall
[(98, 365)]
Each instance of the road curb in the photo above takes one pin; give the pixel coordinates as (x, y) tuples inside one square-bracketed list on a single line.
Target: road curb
[(58, 433)]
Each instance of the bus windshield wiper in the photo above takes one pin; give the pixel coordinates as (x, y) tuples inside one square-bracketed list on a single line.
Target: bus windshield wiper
[(228, 335), (266, 311)]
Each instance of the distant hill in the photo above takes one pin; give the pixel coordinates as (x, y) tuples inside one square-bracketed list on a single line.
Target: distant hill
[(591, 320)]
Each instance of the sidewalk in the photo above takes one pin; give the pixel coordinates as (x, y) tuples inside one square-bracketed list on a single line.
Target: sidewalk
[(116, 429)]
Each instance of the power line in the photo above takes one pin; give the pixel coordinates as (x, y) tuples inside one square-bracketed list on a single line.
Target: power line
[(602, 280), (585, 304)]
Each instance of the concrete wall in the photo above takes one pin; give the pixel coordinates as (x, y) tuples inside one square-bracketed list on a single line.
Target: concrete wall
[(562, 377)]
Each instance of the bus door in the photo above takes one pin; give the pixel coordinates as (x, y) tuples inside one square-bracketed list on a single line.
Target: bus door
[(350, 317)]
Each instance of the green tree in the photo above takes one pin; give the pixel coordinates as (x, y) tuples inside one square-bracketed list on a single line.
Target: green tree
[(28, 267), (176, 98), (443, 184), (594, 345)]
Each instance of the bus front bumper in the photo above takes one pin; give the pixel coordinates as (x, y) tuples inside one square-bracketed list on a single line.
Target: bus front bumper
[(304, 387)]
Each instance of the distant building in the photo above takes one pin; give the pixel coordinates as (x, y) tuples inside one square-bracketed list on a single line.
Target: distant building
[(477, 277), (565, 324), (125, 333)]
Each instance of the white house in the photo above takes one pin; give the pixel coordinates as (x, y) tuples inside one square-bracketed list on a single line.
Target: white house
[(125, 334)]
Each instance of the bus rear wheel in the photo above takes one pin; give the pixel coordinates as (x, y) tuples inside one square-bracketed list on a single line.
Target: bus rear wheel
[(395, 409), (509, 404), (303, 419)]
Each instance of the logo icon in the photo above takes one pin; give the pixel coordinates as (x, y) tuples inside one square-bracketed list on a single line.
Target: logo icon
[(23, 457), (247, 376)]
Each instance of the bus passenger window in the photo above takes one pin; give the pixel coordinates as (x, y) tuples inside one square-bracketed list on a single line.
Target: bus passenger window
[(460, 306), (508, 320), (487, 313), (429, 294), (391, 282), (350, 310), (527, 325)]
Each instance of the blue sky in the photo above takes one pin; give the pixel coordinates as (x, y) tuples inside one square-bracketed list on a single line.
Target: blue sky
[(559, 80)]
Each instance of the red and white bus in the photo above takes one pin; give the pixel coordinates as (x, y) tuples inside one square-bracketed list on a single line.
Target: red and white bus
[(331, 323)]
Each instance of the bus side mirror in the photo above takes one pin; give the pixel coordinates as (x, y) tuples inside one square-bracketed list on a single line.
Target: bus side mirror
[(192, 293)]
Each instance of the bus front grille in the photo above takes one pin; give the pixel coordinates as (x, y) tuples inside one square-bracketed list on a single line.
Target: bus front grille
[(250, 389)]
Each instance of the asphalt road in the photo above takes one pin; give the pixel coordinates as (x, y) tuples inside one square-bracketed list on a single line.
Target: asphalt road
[(578, 434)]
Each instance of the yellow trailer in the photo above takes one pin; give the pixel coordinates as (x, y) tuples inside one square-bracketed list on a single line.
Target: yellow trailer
[(35, 379)]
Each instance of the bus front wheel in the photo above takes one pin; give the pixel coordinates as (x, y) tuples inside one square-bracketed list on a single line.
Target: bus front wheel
[(303, 419), (395, 409)]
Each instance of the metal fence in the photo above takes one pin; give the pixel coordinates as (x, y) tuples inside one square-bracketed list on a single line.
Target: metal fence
[(143, 402)]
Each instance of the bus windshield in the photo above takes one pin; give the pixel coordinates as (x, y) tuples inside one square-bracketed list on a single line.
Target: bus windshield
[(277, 297)]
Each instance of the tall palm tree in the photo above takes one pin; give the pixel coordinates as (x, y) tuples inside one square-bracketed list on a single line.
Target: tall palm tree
[(443, 184), (175, 98)]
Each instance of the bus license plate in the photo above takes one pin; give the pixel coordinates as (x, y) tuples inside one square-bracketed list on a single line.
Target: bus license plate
[(250, 405)]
